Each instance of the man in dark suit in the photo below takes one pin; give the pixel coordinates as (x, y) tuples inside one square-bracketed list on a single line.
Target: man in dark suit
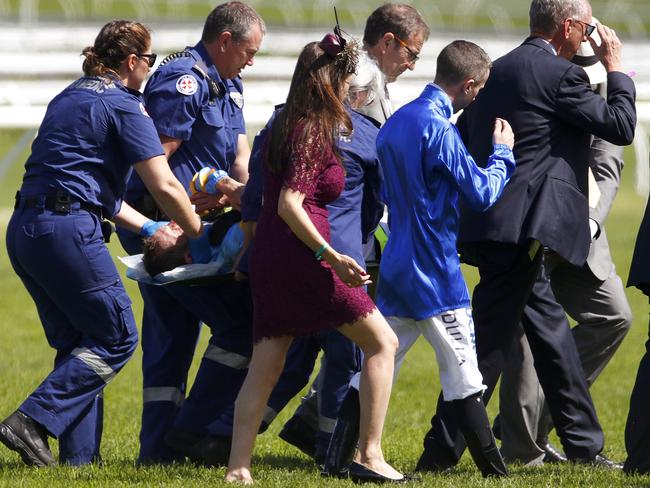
[(553, 111), (637, 429), (593, 295)]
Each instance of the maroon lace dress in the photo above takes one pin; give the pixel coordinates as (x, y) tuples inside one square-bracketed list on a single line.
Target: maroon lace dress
[(293, 293)]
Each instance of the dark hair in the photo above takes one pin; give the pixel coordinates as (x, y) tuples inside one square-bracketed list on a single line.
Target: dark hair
[(546, 15), (115, 41), (461, 60), (157, 260), (234, 17), (398, 18), (313, 103)]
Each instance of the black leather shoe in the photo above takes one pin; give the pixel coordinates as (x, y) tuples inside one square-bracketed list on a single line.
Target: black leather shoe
[(209, 451), (430, 462), (360, 474), (299, 434), (552, 454), (28, 438), (599, 461), (326, 473)]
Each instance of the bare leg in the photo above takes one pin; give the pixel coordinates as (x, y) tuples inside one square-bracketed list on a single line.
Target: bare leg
[(266, 365), (379, 344)]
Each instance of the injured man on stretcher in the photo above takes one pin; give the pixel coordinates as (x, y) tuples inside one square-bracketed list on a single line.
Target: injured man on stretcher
[(220, 243), (170, 257)]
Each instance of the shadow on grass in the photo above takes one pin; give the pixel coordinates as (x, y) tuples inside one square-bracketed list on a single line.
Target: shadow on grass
[(284, 461), (637, 481), (15, 466)]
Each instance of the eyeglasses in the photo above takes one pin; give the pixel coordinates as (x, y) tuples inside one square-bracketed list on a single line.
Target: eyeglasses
[(413, 56), (589, 28), (151, 58)]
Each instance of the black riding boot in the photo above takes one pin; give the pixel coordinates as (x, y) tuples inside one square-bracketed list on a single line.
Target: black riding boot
[(474, 424)]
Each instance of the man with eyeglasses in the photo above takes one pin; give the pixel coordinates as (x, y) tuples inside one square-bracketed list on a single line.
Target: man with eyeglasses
[(593, 295), (393, 37), (543, 210), (195, 99)]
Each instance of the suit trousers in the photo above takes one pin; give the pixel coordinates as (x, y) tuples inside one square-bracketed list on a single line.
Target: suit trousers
[(637, 428), (603, 318), (512, 288)]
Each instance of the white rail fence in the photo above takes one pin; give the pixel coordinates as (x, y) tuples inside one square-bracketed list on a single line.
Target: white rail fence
[(497, 15), (37, 63)]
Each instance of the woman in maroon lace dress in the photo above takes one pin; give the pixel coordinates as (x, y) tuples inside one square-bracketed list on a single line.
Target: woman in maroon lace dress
[(300, 284)]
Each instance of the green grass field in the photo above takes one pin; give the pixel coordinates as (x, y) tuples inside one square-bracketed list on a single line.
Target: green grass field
[(628, 17), (25, 358)]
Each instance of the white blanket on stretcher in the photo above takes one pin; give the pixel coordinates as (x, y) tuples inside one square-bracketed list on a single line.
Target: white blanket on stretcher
[(135, 271)]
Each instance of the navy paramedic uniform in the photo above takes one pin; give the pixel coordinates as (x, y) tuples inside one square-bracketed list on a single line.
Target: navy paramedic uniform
[(92, 134), (188, 100), (353, 218)]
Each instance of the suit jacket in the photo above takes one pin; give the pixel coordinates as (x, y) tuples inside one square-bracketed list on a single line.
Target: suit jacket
[(552, 110), (606, 161), (640, 267)]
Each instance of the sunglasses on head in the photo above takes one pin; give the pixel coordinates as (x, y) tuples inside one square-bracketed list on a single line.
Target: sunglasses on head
[(151, 58)]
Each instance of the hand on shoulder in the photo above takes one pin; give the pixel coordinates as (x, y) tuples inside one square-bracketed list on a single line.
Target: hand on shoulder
[(503, 133)]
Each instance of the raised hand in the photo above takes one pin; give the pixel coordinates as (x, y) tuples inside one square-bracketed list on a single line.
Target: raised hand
[(609, 51), (503, 133)]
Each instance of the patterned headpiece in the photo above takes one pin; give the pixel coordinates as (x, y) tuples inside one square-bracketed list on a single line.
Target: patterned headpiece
[(345, 53)]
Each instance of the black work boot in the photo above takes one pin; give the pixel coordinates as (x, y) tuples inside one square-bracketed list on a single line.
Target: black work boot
[(299, 434), (344, 438), (302, 428), (212, 451), (209, 451), (474, 424), (28, 438)]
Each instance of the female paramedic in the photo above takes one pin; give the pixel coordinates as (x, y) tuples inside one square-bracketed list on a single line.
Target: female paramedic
[(92, 134)]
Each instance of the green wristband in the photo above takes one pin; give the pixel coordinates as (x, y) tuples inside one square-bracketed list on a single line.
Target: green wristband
[(319, 253)]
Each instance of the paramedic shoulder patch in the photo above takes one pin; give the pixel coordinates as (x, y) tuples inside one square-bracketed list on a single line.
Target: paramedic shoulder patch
[(187, 85)]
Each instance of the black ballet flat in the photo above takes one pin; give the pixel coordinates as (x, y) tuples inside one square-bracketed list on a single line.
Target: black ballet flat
[(360, 474)]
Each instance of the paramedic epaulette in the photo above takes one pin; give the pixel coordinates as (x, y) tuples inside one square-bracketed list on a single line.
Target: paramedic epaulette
[(216, 90), (176, 55)]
